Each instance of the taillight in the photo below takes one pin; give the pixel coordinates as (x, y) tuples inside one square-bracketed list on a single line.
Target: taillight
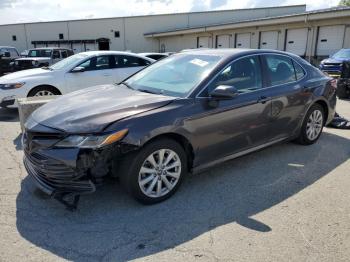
[(333, 83)]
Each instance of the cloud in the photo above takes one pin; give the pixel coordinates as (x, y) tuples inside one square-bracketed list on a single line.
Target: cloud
[(217, 3)]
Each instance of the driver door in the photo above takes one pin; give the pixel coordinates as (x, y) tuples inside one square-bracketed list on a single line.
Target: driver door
[(98, 71), (228, 126)]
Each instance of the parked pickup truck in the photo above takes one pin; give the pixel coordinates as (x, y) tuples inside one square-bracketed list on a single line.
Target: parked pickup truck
[(7, 55), (40, 57)]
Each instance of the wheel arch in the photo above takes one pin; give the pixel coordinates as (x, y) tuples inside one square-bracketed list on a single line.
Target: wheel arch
[(44, 85), (324, 105), (182, 140)]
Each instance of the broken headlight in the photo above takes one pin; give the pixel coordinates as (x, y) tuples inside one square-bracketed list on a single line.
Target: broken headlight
[(92, 141)]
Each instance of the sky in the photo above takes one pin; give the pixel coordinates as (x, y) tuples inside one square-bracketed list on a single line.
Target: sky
[(17, 11)]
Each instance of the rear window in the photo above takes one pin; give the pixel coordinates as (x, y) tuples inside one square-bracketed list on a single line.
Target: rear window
[(299, 71), (280, 69), (130, 61)]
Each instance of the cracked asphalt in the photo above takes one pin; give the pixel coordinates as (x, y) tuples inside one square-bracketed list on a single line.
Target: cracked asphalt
[(284, 203)]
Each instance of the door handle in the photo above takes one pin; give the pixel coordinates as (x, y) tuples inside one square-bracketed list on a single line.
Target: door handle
[(106, 74), (263, 99)]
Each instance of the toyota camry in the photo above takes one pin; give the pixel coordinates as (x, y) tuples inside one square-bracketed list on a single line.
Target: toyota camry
[(183, 114)]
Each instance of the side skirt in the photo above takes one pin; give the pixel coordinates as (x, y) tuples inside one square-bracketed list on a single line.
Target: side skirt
[(204, 167)]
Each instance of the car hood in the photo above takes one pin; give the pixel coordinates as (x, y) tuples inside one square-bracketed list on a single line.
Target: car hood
[(92, 109), (18, 76), (33, 59), (333, 60)]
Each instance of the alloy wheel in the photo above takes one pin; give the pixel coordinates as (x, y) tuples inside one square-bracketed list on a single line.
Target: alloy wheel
[(314, 125), (159, 173), (44, 93)]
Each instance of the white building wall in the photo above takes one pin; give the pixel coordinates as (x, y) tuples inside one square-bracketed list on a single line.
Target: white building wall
[(135, 27), (102, 28), (132, 29), (46, 31), (6, 33)]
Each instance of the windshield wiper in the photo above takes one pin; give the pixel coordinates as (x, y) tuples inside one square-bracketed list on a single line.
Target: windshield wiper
[(47, 68), (127, 86), (149, 92)]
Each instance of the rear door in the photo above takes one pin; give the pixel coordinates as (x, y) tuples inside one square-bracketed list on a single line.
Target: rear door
[(126, 65), (286, 89), (269, 40), (98, 71), (230, 126)]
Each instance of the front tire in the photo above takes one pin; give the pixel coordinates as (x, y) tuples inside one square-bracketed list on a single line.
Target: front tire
[(154, 173), (312, 126), (43, 91)]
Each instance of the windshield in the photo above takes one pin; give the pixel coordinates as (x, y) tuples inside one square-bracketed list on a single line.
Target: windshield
[(343, 53), (40, 53), (174, 76), (68, 62)]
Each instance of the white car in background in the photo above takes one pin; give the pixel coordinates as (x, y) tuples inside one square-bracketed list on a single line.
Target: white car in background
[(155, 56), (73, 73)]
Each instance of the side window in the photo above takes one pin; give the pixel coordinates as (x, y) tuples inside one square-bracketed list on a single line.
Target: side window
[(244, 74), (130, 61), (299, 71), (88, 64), (56, 54), (280, 69), (14, 53), (70, 52), (103, 62), (64, 54)]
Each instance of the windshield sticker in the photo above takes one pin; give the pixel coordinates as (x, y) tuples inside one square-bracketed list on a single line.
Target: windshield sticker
[(199, 62)]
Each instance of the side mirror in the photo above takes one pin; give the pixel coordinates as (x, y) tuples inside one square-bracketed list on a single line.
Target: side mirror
[(224, 92), (7, 54), (78, 69)]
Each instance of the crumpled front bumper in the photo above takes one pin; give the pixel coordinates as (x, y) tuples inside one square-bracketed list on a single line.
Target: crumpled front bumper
[(54, 177)]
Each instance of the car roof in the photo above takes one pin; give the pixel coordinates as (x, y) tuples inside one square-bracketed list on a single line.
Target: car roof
[(231, 52), (146, 54), (4, 46), (94, 53), (52, 48)]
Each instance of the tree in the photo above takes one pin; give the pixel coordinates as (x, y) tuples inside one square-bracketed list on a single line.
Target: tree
[(344, 3)]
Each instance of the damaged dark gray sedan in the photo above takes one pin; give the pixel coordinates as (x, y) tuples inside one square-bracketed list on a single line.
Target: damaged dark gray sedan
[(182, 114)]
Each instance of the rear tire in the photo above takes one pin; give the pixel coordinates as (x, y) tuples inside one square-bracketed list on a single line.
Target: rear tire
[(312, 126), (154, 173), (43, 91)]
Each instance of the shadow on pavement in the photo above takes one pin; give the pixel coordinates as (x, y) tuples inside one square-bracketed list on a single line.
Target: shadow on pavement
[(109, 225), (9, 115)]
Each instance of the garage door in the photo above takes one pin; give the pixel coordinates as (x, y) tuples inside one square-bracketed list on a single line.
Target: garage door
[(223, 41), (330, 39), (78, 47), (65, 46), (243, 40), (90, 47), (268, 40), (296, 41), (203, 42)]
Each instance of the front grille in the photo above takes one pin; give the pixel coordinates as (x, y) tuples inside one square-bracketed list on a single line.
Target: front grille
[(34, 140), (53, 176), (25, 63), (332, 64)]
